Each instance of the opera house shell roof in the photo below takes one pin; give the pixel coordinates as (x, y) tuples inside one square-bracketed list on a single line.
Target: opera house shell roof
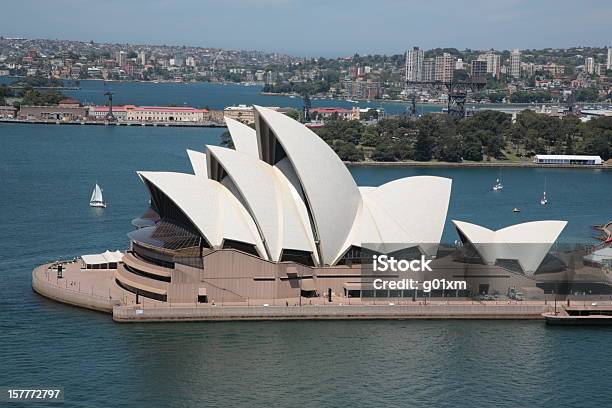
[(283, 194), (526, 244)]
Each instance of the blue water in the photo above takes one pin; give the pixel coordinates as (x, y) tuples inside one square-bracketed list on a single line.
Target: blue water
[(213, 96), (47, 174)]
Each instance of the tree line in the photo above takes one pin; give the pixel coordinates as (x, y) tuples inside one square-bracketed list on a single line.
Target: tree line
[(487, 135)]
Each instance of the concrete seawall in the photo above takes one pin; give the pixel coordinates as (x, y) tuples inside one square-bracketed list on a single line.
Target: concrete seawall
[(346, 312)]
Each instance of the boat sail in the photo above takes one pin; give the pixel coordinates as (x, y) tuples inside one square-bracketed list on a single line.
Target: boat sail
[(498, 185), (96, 198), (544, 200)]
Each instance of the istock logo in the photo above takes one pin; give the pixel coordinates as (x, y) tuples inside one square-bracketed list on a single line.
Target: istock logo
[(385, 263)]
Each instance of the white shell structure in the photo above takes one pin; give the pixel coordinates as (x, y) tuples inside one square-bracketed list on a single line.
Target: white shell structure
[(283, 190), (526, 243)]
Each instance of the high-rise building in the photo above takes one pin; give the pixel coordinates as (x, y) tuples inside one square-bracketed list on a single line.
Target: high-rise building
[(589, 65), (479, 70), (121, 58), (445, 64), (609, 62), (414, 64), (515, 63), (429, 69), (142, 57), (493, 63)]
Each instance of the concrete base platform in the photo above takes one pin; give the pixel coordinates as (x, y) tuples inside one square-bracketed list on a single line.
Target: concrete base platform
[(331, 312), (97, 290)]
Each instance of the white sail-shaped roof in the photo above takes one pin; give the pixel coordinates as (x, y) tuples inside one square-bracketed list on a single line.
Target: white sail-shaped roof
[(212, 209), (329, 189), (404, 213), (198, 163), (527, 243), (418, 205), (243, 136), (268, 198)]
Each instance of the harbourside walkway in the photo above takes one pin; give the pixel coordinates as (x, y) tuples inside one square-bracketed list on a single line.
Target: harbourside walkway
[(97, 290), (390, 311)]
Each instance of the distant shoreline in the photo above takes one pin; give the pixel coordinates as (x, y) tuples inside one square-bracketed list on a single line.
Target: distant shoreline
[(404, 164)]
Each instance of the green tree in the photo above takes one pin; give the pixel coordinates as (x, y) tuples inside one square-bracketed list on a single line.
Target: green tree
[(428, 127), (347, 151), (472, 148)]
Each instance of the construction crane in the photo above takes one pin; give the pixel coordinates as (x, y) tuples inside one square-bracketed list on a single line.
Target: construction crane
[(109, 115)]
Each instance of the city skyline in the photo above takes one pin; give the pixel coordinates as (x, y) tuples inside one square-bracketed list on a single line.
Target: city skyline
[(320, 29)]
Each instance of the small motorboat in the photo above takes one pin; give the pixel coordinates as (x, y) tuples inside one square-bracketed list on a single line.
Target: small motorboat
[(516, 210)]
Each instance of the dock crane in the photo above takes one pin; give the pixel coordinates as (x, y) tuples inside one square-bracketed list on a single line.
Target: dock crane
[(109, 115)]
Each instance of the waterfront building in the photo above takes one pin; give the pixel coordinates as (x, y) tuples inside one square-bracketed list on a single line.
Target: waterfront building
[(241, 113), (589, 65), (445, 65), (165, 114), (331, 113), (414, 64), (515, 63), (52, 113), (100, 112), (257, 222), (567, 159), (159, 114), (493, 61)]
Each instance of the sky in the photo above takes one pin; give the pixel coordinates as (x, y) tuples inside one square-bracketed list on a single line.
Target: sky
[(329, 28)]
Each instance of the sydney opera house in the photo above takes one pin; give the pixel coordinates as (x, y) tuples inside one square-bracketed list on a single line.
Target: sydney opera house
[(279, 216)]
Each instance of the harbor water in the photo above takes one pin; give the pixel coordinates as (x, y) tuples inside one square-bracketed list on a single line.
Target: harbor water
[(47, 175)]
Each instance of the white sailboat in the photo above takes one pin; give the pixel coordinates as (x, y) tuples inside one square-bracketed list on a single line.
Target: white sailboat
[(498, 184), (96, 198), (544, 200)]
